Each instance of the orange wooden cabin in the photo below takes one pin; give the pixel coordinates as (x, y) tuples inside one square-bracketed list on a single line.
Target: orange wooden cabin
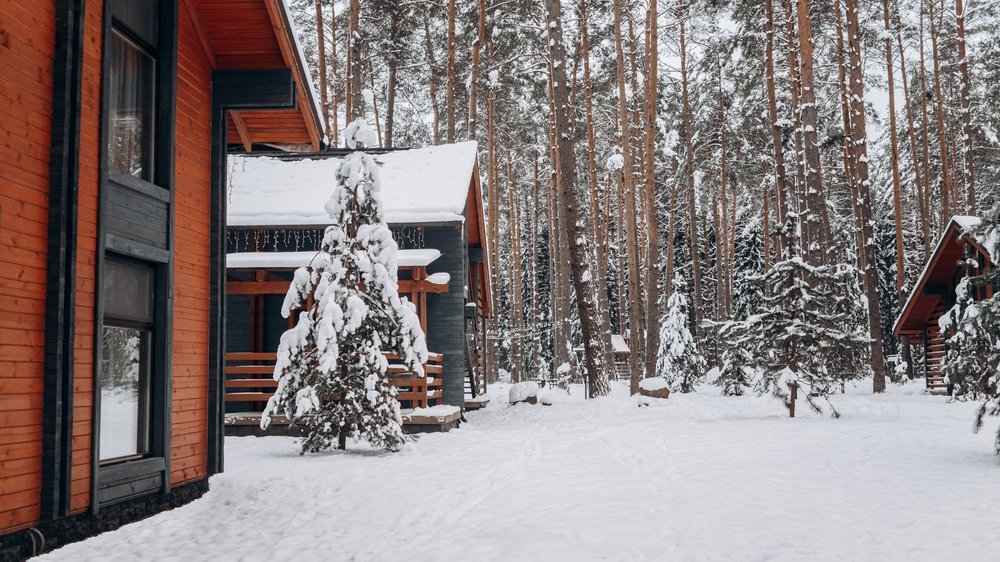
[(934, 294), (117, 117)]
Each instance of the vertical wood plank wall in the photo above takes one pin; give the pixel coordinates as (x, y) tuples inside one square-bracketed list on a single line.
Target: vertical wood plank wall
[(27, 46), (191, 256)]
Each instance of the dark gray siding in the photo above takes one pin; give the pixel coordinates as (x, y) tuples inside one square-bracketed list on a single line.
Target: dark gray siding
[(237, 323), (446, 311)]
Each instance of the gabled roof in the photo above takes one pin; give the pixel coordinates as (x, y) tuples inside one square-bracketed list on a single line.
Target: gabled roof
[(419, 186), (938, 272)]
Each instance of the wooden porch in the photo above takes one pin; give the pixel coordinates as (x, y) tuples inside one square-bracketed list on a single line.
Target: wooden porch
[(250, 384)]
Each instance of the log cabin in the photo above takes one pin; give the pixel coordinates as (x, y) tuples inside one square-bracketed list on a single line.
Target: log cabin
[(276, 219), (117, 118), (956, 256)]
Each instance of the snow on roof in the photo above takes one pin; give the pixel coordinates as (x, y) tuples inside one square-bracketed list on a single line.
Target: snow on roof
[(293, 260), (618, 344), (421, 185), (966, 221)]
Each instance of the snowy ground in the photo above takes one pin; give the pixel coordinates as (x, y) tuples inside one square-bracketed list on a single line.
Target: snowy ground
[(698, 477)]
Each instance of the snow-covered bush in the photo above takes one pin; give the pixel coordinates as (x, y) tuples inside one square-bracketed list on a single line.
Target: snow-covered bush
[(332, 377)]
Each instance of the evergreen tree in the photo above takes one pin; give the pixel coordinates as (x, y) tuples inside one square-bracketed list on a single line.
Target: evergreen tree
[(972, 362), (332, 377), (808, 331), (748, 294), (679, 362)]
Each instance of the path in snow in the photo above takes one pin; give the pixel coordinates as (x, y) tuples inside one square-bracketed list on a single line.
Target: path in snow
[(899, 476)]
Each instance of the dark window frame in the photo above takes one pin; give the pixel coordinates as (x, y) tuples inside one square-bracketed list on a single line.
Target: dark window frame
[(119, 194)]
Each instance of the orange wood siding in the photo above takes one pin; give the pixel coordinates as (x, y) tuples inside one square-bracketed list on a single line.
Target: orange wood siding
[(27, 45), (86, 257), (191, 256)]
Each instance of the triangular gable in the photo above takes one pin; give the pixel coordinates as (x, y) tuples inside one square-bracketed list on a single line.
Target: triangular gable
[(941, 266)]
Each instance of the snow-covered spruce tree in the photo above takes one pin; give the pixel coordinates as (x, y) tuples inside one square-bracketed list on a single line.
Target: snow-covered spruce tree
[(972, 362), (807, 330), (332, 376), (748, 293), (736, 370), (679, 360)]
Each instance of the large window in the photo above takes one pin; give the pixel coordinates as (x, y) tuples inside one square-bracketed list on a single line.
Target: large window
[(125, 359), (130, 107)]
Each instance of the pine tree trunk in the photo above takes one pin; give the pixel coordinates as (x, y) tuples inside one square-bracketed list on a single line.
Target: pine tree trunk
[(814, 220), (897, 197), (628, 205), (722, 235), (474, 79), (918, 171), (965, 94), (925, 130), (335, 131), (596, 216), (355, 107), (324, 92), (450, 89), (946, 210), (693, 235), (652, 296), (432, 80), (517, 322), (795, 202), (860, 164), (390, 84), (848, 150), (780, 183), (593, 323)]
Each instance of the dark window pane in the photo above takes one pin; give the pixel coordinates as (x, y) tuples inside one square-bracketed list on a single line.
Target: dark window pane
[(130, 119), (128, 290), (124, 393)]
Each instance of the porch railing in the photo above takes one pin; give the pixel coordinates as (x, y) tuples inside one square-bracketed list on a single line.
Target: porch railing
[(250, 382)]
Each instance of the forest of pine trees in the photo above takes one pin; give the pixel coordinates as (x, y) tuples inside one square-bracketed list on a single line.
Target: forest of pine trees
[(626, 143)]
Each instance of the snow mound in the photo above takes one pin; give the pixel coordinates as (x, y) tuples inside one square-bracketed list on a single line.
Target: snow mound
[(550, 396), (653, 383), (439, 411), (523, 391)]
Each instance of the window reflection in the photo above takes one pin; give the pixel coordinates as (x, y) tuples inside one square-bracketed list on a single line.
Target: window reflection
[(124, 393), (130, 139)]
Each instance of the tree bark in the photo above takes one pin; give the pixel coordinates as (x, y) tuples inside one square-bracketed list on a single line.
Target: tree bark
[(814, 220), (780, 182), (474, 79), (946, 210), (450, 89), (593, 323), (860, 165), (628, 204), (964, 93), (324, 93), (652, 296), (918, 172), (693, 236), (432, 80), (355, 106), (596, 216), (390, 83)]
